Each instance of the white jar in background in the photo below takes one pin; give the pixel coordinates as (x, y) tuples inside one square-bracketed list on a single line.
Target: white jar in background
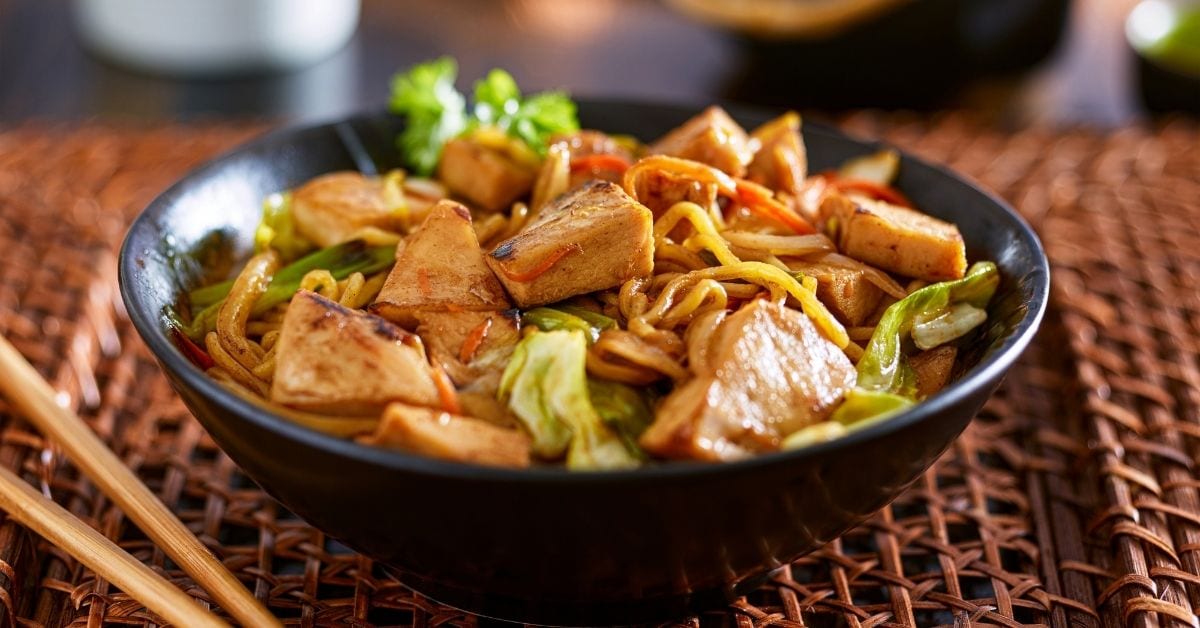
[(197, 37)]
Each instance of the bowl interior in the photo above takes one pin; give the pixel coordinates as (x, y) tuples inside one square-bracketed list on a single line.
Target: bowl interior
[(214, 210)]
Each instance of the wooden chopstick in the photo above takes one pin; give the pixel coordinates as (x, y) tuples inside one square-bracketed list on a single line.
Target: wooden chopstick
[(34, 511), (33, 397)]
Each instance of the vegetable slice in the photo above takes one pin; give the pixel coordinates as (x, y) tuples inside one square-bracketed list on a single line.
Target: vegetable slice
[(341, 260), (277, 230), (546, 387), (624, 408), (883, 367), (860, 409), (569, 318)]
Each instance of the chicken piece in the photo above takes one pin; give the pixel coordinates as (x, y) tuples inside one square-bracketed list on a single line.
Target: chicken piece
[(896, 239), (659, 190), (769, 372), (487, 178), (781, 162), (845, 291), (331, 208), (933, 369), (587, 144), (589, 239), (472, 347), (440, 268), (334, 360), (712, 137), (439, 434)]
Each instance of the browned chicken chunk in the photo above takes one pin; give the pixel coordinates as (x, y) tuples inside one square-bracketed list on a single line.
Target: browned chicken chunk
[(659, 190), (712, 137), (440, 268), (588, 142), (896, 239), (589, 239), (769, 373), (472, 347), (585, 147), (933, 369), (845, 291), (448, 436), (333, 207), (485, 177), (334, 360), (781, 162)]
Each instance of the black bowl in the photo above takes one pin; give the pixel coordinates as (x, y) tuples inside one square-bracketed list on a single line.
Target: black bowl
[(914, 54), (545, 545)]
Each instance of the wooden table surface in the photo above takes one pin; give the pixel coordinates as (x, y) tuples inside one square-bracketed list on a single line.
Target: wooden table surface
[(632, 48)]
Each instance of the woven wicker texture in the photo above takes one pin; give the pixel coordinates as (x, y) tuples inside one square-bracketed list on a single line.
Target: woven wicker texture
[(1071, 501)]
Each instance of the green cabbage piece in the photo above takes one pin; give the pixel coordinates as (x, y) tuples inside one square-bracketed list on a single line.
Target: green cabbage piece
[(624, 408), (546, 387), (569, 317), (860, 409), (277, 230), (884, 367)]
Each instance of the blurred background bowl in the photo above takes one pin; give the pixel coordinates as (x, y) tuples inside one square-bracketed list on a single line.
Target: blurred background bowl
[(211, 37), (878, 53), (1165, 37)]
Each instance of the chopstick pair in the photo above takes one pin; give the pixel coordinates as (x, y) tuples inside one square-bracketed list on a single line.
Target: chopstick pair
[(34, 399)]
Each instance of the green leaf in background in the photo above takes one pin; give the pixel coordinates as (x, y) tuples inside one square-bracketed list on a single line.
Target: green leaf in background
[(496, 96), (435, 111), (542, 116)]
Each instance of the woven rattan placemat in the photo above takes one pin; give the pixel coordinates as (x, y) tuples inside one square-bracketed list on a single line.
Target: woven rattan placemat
[(1071, 501)]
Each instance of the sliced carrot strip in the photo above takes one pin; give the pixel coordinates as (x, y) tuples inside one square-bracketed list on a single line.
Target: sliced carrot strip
[(423, 282), (758, 199), (474, 340), (615, 163), (547, 264), (884, 193), (446, 393)]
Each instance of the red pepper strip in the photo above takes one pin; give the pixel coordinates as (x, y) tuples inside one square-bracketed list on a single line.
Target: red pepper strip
[(190, 349), (885, 193), (758, 199), (540, 269), (614, 163), (445, 388), (474, 339)]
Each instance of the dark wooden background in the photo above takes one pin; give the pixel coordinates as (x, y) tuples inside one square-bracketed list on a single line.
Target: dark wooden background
[(637, 48)]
